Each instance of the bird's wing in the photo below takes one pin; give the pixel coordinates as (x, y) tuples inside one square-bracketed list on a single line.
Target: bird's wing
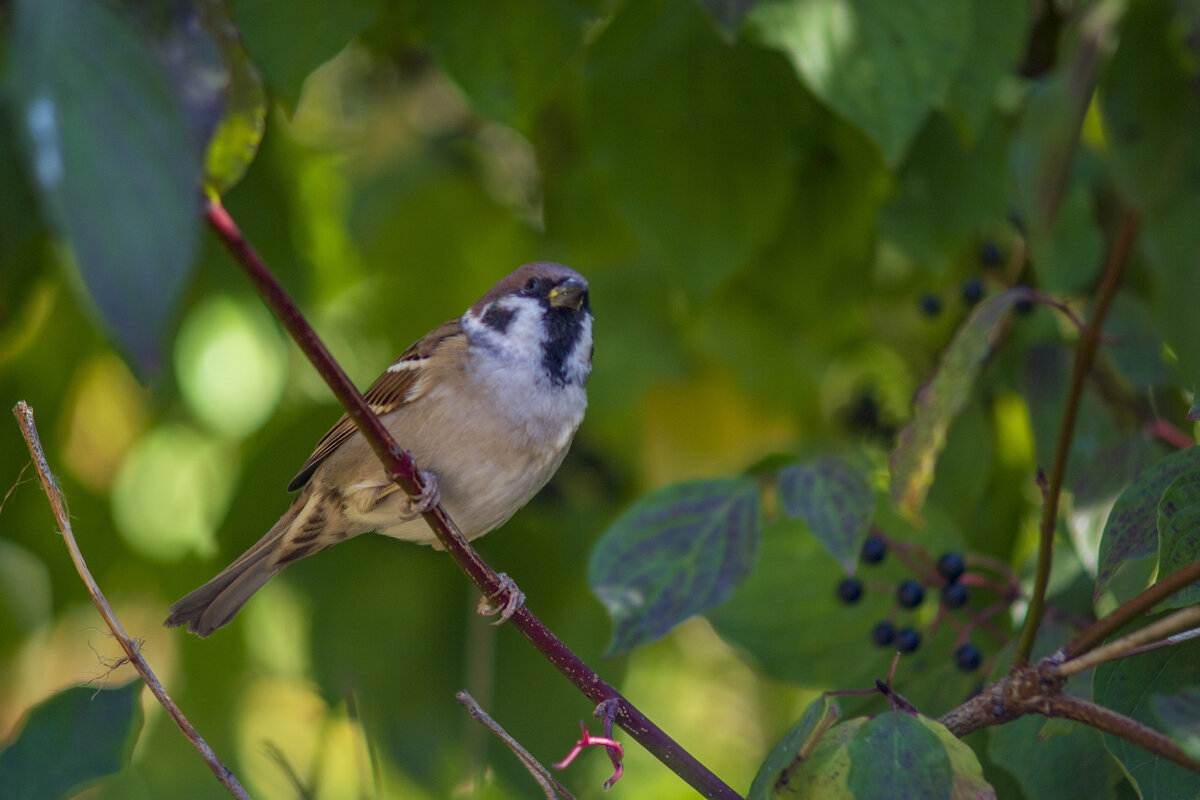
[(397, 386)]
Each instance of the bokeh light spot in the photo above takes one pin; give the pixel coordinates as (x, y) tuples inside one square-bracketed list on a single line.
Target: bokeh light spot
[(231, 363), (108, 411), (172, 491)]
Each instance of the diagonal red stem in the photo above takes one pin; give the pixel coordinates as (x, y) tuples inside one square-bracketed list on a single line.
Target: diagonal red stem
[(400, 467)]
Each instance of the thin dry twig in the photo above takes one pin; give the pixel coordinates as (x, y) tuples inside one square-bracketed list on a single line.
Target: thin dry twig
[(550, 786), (1084, 355), (24, 415), (20, 479), (1181, 620)]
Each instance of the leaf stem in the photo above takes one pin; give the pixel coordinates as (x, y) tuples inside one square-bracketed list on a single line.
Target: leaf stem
[(1135, 606), (1084, 355), (400, 467), (24, 415), (1126, 645)]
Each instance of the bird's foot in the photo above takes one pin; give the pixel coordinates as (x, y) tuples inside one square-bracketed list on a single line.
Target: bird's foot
[(514, 598)]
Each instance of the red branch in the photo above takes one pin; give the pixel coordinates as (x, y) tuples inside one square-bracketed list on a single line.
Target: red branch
[(400, 467)]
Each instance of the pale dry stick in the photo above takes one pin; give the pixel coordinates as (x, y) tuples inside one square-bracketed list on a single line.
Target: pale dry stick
[(550, 786), (24, 415), (1118, 648)]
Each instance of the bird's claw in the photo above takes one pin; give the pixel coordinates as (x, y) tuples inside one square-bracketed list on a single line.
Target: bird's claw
[(514, 599), (429, 496)]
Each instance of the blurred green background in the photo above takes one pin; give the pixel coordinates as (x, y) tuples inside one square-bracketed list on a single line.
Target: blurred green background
[(783, 219)]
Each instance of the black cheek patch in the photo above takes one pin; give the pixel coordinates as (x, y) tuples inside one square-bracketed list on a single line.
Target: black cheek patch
[(498, 318), (563, 329)]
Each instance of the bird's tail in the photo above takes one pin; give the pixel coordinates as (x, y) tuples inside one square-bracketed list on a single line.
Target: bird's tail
[(217, 602)]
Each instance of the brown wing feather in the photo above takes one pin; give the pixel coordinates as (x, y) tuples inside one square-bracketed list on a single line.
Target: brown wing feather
[(389, 391)]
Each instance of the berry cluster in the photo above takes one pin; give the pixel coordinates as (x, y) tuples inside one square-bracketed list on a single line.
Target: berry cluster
[(971, 290), (949, 576)]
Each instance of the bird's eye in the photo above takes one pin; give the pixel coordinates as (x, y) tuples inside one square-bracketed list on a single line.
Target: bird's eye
[(531, 285)]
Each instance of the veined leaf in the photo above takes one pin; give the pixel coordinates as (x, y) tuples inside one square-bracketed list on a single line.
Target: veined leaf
[(112, 160), (73, 738), (1131, 533), (1180, 715), (675, 553), (921, 441), (836, 502)]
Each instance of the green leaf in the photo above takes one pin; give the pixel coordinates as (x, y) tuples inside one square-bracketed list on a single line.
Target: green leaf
[(1128, 686), (1180, 495), (1180, 715), (77, 736), (881, 64), (920, 442), (1131, 533), (705, 204), (998, 34), (789, 623), (485, 47), (1179, 534), (232, 145), (1139, 356), (948, 191), (895, 754), (834, 499), (728, 14), (1035, 758), (1150, 112), (1151, 117), (675, 553), (823, 773), (291, 39), (112, 161), (794, 748)]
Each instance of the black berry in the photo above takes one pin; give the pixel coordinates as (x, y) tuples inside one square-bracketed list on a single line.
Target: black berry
[(873, 550), (850, 590), (972, 291), (955, 595), (909, 593), (951, 565), (989, 254), (884, 633), (907, 640), (968, 657), (931, 304)]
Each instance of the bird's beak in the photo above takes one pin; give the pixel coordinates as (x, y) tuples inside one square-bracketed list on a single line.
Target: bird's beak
[(570, 294)]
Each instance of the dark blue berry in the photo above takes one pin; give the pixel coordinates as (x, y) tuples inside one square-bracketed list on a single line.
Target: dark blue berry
[(989, 254), (951, 565), (873, 550), (909, 593), (972, 291), (883, 633), (907, 640), (850, 590), (955, 595), (968, 657), (931, 304)]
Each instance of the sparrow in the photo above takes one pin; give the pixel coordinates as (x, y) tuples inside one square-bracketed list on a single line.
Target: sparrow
[(487, 404)]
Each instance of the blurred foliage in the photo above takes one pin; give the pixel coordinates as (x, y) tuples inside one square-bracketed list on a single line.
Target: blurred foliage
[(786, 210)]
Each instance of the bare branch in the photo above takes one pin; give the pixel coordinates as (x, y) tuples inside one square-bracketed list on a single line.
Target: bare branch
[(24, 416), (1127, 645), (1084, 355), (549, 785), (1131, 609)]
